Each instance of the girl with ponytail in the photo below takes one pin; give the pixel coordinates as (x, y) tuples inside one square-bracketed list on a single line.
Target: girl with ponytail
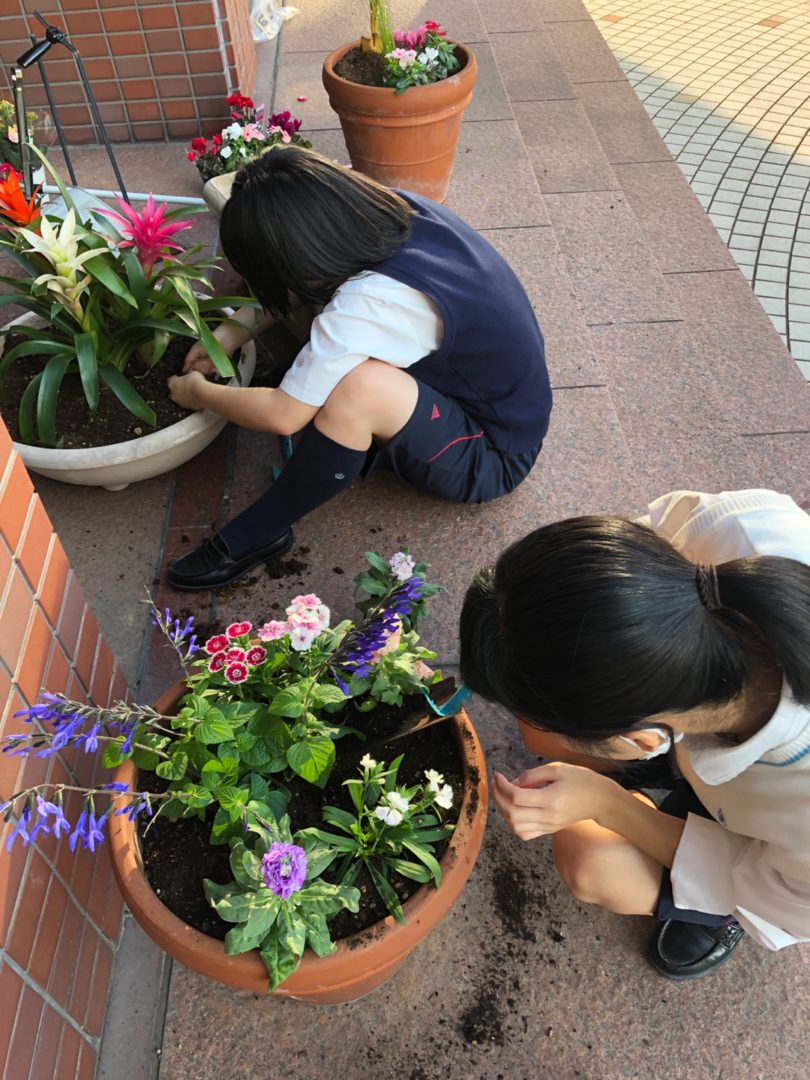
[(613, 641)]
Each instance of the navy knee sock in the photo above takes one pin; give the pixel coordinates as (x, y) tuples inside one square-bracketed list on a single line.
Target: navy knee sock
[(318, 470)]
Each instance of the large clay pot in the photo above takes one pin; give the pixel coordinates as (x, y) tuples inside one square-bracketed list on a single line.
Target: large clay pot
[(362, 962), (118, 465), (403, 140)]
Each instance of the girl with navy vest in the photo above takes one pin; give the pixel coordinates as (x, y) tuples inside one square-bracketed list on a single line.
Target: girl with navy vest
[(426, 358)]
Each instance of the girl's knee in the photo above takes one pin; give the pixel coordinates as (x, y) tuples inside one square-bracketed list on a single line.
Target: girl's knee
[(575, 857)]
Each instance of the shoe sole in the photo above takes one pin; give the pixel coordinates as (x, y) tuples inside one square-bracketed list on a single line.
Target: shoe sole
[(233, 580)]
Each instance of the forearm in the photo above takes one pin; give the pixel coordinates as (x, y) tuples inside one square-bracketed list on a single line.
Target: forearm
[(654, 833), (251, 323), (250, 407)]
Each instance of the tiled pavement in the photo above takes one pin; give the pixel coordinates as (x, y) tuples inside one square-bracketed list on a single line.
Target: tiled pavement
[(667, 374), (727, 84)]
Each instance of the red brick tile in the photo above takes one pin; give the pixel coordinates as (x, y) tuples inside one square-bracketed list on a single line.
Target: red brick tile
[(119, 688), (199, 38), (170, 64), (70, 618), (24, 1038), (132, 67), (34, 661), (99, 69), (67, 954), (211, 86), (119, 133), (116, 21), (67, 94), (50, 931), (33, 550), (147, 131), (47, 1048), (100, 888), (205, 63), (83, 978), (159, 18), (84, 867), (75, 116), (198, 14), (183, 129), (51, 592), (5, 444), (108, 93), (79, 134), (85, 657), (102, 675), (69, 1053), (27, 917), (139, 89), (14, 863), (128, 44), (114, 912), (99, 990), (179, 110), (87, 1063), (5, 564), (15, 496), (213, 108), (70, 5), (14, 618), (174, 87), (143, 110), (165, 41), (11, 988), (113, 113), (57, 677)]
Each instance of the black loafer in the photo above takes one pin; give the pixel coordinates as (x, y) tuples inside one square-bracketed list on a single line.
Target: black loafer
[(682, 950), (211, 565)]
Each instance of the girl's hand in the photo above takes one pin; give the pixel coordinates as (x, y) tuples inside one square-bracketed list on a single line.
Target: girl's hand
[(550, 797), (185, 390), (230, 334)]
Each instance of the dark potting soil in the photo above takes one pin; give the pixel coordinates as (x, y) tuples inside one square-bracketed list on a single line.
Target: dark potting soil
[(177, 855), (366, 68), (113, 423)]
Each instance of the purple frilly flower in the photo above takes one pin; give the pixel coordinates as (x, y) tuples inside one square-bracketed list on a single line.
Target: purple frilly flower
[(284, 869)]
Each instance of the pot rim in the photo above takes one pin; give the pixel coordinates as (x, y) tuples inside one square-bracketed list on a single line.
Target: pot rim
[(413, 99), (390, 939), (144, 446)]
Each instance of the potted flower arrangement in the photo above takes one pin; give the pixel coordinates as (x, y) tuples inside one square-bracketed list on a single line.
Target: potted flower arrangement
[(249, 135), (400, 96), (9, 138), (110, 295), (270, 799)]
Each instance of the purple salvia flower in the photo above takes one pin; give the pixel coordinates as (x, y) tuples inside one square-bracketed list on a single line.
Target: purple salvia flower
[(60, 823), (95, 833), (91, 740), (80, 832), (21, 830), (284, 869), (116, 785)]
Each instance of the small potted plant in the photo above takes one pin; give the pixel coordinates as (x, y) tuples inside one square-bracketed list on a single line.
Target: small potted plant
[(10, 141), (400, 96), (249, 135), (112, 297), (302, 845)]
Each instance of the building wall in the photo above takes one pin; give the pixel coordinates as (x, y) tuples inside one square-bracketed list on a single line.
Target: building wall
[(160, 69), (60, 913)]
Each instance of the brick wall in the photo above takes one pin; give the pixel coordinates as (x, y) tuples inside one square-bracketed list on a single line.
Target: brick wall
[(160, 69), (60, 913)]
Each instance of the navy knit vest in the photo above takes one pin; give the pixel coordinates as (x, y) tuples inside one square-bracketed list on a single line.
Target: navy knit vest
[(491, 359)]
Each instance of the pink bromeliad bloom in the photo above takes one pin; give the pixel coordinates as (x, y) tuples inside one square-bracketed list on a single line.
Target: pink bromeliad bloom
[(147, 232)]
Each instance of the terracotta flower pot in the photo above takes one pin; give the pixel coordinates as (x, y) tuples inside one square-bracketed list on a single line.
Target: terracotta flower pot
[(403, 140), (362, 962)]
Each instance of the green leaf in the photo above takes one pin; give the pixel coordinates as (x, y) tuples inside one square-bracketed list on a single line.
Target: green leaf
[(378, 563), (312, 759), (245, 866), (326, 694), (292, 933), (214, 728), (88, 368), (99, 269), (372, 585), (335, 816), (127, 394), (112, 756), (408, 869), (232, 799), (174, 768), (145, 759), (26, 413), (425, 857), (135, 278), (317, 933), (51, 381), (223, 828), (219, 358), (326, 898), (196, 797), (387, 893), (280, 961), (289, 701), (255, 930)]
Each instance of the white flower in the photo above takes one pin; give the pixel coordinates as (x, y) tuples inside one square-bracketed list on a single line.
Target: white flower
[(225, 152), (367, 762), (444, 797), (399, 802), (233, 131), (435, 779), (428, 57), (388, 815), (401, 566), (301, 639)]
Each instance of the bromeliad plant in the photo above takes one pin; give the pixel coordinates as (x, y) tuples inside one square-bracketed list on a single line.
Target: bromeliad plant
[(111, 290), (250, 135), (262, 705)]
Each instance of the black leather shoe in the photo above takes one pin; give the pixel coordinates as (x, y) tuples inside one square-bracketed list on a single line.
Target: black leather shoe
[(211, 565), (682, 950)]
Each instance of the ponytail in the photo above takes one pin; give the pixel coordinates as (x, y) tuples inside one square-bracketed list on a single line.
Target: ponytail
[(588, 627)]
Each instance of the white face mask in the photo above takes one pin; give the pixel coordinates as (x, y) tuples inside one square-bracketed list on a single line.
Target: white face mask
[(662, 748)]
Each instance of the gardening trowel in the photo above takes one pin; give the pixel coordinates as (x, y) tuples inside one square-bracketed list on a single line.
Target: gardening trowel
[(443, 701)]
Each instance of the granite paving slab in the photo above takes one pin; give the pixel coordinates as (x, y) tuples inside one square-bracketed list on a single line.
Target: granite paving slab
[(530, 67), (583, 52), (621, 123), (615, 275), (304, 78), (563, 148)]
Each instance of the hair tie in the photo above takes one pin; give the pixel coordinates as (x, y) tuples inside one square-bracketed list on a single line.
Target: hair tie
[(707, 586)]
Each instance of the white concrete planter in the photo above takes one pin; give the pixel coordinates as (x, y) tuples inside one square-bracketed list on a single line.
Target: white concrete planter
[(118, 465)]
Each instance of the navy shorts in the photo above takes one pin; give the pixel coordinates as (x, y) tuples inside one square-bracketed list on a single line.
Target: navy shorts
[(447, 452), (680, 802)]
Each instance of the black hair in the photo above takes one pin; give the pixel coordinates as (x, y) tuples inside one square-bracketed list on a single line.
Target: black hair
[(590, 626), (297, 222)]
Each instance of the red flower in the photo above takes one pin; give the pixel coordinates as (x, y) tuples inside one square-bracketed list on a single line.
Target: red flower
[(216, 141), (255, 656), (235, 654), (434, 28), (217, 662), (239, 101), (200, 144), (216, 644), (191, 155), (237, 629), (236, 673)]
